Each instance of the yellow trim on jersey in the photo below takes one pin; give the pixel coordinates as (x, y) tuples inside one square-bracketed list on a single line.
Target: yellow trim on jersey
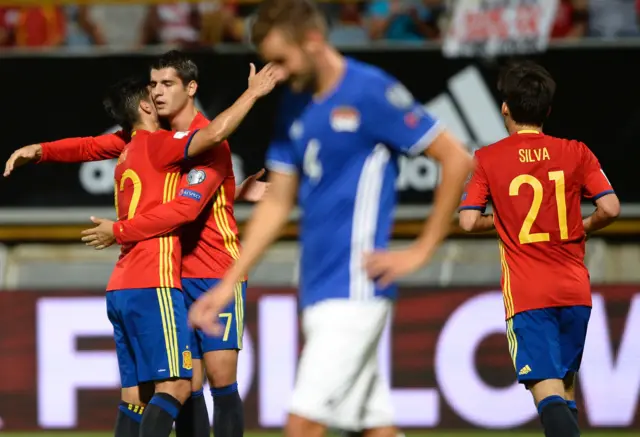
[(506, 286), (513, 342), (220, 216), (170, 330), (528, 131), (166, 241), (239, 309)]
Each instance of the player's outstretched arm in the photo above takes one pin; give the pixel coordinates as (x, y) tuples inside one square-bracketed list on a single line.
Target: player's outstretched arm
[(471, 220), (84, 149), (607, 211), (265, 225), (219, 129)]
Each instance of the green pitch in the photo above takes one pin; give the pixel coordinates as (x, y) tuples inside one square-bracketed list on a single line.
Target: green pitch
[(409, 434)]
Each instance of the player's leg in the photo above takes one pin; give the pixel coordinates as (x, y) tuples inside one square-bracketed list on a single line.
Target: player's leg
[(158, 320), (331, 388), (193, 420), (534, 343), (130, 408), (574, 322), (221, 363)]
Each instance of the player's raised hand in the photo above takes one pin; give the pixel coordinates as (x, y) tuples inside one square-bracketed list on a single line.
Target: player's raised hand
[(251, 189), (386, 267), (22, 156), (263, 82), (204, 312), (101, 236)]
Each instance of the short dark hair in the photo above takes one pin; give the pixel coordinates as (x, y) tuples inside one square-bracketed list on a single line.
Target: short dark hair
[(528, 89), (294, 16), (186, 69), (123, 100)]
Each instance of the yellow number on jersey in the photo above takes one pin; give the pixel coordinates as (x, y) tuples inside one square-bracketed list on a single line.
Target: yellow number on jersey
[(525, 236), (137, 192)]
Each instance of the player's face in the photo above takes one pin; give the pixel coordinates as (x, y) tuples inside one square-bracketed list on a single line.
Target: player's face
[(296, 60), (169, 94)]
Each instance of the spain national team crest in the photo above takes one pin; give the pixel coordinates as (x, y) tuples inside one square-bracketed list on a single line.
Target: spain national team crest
[(345, 119), (186, 360)]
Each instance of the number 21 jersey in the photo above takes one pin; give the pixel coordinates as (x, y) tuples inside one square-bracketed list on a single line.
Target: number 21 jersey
[(536, 183), (147, 175)]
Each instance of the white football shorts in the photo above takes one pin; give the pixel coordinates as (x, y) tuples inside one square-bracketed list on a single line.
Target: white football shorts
[(338, 383)]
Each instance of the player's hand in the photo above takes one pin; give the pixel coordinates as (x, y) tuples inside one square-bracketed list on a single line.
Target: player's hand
[(251, 189), (21, 157), (204, 312), (386, 267), (101, 236), (263, 82)]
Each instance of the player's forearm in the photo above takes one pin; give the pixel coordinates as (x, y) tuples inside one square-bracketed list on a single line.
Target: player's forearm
[(456, 166), (82, 149), (223, 125), (596, 221), (481, 223)]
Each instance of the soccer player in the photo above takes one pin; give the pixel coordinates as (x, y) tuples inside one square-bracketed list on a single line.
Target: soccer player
[(144, 300), (536, 183), (338, 154), (209, 240), (216, 167)]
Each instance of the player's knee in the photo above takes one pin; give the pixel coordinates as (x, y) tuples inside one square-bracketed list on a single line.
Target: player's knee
[(298, 426), (545, 388), (197, 380), (222, 367), (131, 395), (178, 388)]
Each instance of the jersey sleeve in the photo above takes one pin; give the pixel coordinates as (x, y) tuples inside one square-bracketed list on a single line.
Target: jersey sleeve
[(281, 152), (476, 193), (194, 193), (84, 149), (393, 117), (595, 182), (170, 149)]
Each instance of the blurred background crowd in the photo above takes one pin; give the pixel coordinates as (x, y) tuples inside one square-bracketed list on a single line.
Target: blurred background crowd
[(130, 26)]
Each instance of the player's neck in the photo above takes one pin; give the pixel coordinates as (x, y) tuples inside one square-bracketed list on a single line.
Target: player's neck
[(515, 128), (147, 125), (183, 119), (331, 69)]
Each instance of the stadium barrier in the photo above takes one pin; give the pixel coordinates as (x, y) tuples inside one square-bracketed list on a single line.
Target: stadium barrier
[(446, 357)]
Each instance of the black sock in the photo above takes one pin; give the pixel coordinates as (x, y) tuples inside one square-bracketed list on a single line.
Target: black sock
[(557, 418), (193, 420), (228, 413), (158, 416), (128, 420), (574, 409)]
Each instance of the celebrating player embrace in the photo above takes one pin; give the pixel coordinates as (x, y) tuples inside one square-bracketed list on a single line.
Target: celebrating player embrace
[(336, 151), (536, 183)]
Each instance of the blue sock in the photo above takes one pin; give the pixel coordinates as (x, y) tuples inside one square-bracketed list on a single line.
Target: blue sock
[(159, 415), (228, 413)]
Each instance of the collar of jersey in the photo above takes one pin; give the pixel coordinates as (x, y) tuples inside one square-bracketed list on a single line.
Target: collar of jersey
[(528, 131)]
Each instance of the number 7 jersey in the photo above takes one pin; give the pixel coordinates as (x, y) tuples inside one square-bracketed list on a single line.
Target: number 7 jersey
[(536, 184)]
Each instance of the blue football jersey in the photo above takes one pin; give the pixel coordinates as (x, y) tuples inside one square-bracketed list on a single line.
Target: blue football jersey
[(344, 147)]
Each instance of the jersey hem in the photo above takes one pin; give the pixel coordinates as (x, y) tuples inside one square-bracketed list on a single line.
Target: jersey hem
[(589, 305), (281, 167), (425, 140)]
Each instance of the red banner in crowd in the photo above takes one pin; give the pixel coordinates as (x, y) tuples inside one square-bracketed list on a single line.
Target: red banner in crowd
[(445, 355)]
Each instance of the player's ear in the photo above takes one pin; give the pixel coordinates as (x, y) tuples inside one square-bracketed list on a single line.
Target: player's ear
[(505, 110), (146, 106), (314, 40), (192, 87)]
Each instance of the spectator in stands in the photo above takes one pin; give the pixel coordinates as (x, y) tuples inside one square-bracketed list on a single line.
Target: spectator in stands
[(42, 26), (347, 27), (172, 23), (572, 19), (401, 20), (220, 23), (82, 30), (613, 18), (119, 24), (6, 26)]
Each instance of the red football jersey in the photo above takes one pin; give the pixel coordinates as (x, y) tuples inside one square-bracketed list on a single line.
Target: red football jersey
[(536, 183), (147, 175), (204, 209)]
